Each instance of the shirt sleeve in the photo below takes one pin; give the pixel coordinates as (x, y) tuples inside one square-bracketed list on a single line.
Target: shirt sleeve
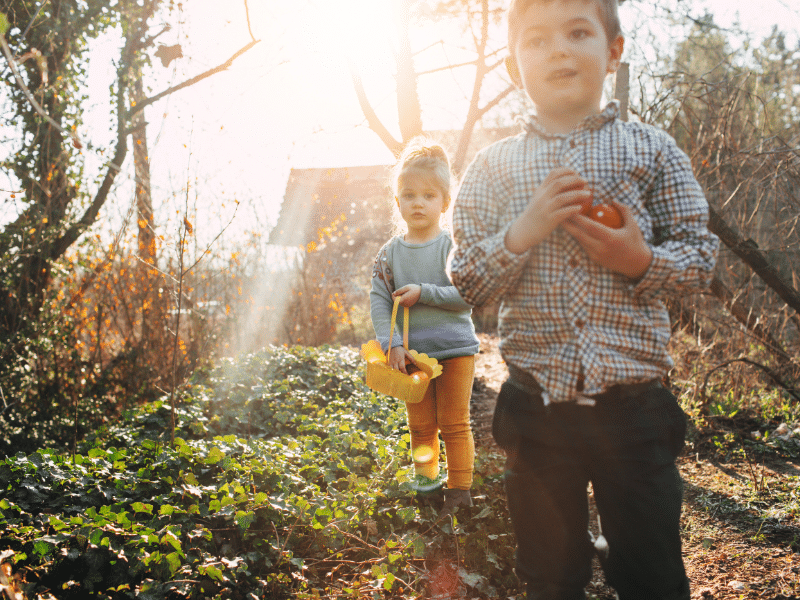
[(684, 250), (482, 268)]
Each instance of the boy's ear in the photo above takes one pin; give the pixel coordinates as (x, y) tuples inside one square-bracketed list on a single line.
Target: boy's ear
[(615, 49), (513, 71)]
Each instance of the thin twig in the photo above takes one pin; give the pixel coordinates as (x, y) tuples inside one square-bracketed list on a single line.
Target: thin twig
[(247, 14), (38, 10), (770, 373), (757, 485)]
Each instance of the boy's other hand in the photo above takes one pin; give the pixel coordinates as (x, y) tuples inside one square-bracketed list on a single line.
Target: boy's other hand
[(399, 357), (409, 294), (560, 196), (621, 250)]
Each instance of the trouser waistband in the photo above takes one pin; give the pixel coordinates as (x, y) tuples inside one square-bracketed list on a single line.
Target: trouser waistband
[(621, 391)]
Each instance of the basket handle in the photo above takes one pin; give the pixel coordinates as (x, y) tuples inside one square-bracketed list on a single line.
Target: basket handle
[(405, 325)]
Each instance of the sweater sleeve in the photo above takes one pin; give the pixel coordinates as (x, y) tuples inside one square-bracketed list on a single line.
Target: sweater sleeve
[(381, 301), (446, 297)]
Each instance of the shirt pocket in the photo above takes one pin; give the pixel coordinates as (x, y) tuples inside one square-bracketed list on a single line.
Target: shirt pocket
[(627, 192)]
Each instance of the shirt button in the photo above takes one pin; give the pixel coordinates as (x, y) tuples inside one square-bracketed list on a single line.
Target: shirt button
[(579, 323)]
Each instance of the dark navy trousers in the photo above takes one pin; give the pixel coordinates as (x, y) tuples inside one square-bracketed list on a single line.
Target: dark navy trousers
[(626, 446)]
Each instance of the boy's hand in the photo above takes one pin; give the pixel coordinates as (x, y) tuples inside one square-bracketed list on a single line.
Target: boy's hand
[(398, 357), (559, 197), (621, 250), (409, 294)]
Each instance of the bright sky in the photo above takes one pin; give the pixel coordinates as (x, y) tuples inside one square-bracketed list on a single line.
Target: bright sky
[(289, 102)]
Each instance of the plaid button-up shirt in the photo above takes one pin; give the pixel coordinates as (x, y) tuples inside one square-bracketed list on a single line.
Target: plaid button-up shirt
[(563, 317)]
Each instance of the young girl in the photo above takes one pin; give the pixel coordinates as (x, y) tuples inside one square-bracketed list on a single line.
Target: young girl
[(411, 266)]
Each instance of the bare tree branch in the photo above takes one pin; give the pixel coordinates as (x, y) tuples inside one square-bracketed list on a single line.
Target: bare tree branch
[(224, 66), (33, 18), (247, 14), (373, 121), (475, 111), (748, 251)]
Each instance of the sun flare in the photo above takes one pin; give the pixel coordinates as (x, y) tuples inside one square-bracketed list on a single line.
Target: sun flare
[(360, 30)]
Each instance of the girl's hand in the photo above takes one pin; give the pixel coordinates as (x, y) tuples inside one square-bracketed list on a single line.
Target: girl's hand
[(409, 295), (398, 357), (621, 250)]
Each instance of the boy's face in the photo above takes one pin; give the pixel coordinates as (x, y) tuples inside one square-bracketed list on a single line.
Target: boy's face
[(561, 58)]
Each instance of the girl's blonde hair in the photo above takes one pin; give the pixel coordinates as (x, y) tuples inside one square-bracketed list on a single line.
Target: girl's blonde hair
[(424, 154)]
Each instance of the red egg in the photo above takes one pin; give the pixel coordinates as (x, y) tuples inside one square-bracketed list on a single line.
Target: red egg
[(606, 214)]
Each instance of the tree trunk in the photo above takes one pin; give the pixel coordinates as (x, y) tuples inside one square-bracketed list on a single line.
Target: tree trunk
[(144, 212), (408, 106), (141, 162), (622, 88), (748, 251)]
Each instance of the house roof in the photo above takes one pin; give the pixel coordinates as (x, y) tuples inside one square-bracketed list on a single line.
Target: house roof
[(352, 197)]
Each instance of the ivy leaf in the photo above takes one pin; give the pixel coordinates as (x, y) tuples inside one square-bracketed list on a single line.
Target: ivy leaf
[(214, 456), (43, 547), (174, 562), (169, 538), (212, 571), (140, 507), (244, 519), (471, 579), (387, 583)]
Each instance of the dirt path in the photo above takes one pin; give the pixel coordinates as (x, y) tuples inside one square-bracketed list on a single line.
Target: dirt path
[(490, 373), (741, 518)]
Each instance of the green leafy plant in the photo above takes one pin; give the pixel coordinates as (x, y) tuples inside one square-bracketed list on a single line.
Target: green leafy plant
[(288, 478)]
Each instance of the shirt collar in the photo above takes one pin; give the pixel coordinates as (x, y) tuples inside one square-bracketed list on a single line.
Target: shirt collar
[(531, 123)]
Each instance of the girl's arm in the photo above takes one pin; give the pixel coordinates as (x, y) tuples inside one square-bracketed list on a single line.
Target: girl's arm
[(380, 311), (381, 304), (446, 297)]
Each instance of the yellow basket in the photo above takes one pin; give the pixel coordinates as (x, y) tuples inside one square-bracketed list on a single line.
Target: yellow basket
[(386, 380)]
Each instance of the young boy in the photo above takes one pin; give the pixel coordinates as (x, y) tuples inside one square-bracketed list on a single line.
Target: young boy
[(582, 322)]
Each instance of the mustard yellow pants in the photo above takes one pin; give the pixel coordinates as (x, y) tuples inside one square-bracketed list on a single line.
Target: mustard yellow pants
[(445, 409)]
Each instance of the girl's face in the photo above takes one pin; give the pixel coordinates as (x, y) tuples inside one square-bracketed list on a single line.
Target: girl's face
[(421, 202)]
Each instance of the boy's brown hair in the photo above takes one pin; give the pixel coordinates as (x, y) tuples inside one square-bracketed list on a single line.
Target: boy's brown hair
[(609, 16)]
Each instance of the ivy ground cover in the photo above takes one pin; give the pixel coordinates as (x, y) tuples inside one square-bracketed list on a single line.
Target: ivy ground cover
[(288, 478)]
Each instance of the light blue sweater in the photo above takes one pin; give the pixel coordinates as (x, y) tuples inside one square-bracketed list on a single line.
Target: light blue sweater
[(440, 323)]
